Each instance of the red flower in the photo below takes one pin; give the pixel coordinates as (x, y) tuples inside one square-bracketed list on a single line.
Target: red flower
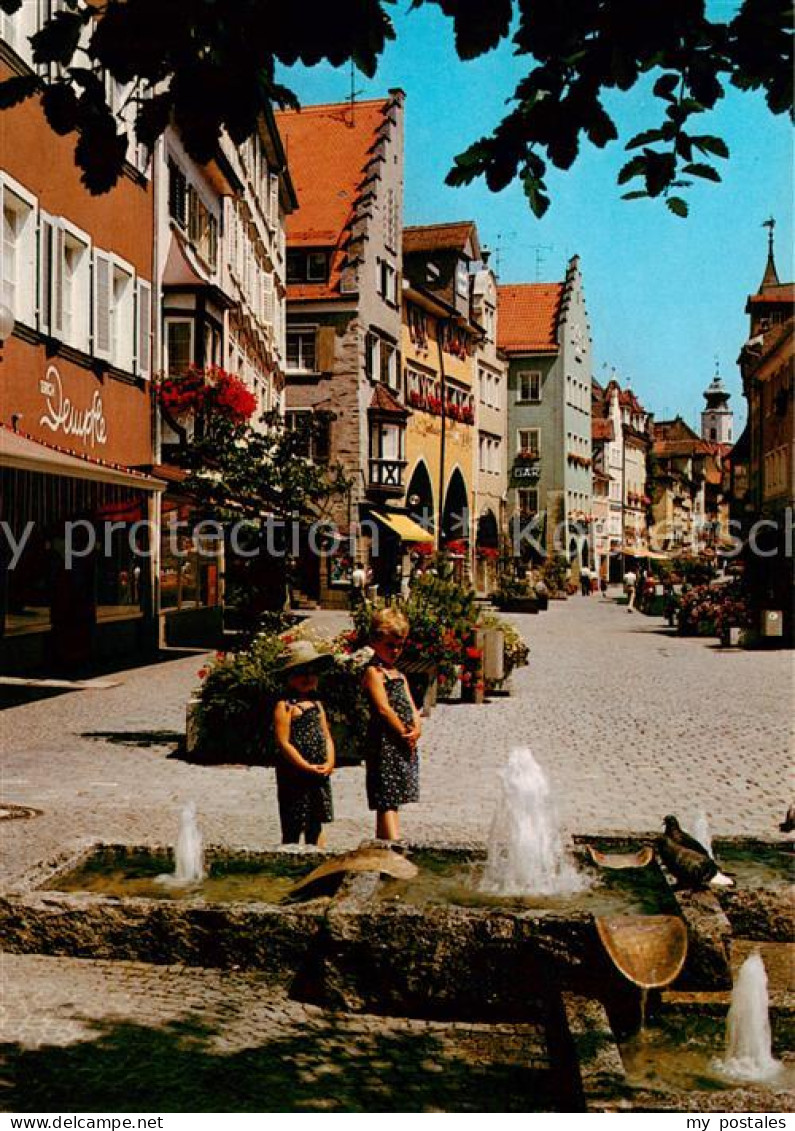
[(474, 653), (202, 672)]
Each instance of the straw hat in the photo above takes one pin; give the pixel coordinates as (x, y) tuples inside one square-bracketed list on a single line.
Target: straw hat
[(303, 654)]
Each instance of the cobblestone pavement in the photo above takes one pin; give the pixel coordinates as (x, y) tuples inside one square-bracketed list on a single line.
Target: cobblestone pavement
[(629, 721), (122, 1036)]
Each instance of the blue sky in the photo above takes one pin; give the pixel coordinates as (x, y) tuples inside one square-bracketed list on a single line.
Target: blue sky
[(665, 296)]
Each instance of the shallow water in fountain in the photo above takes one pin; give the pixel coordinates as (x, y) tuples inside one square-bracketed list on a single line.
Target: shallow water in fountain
[(227, 881), (677, 1054), (450, 879), (757, 866)]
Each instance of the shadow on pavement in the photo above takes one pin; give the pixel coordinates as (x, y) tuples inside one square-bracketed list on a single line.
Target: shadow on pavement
[(136, 737), (329, 1066)]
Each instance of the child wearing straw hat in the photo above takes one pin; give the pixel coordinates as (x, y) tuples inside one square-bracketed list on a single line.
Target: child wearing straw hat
[(305, 749)]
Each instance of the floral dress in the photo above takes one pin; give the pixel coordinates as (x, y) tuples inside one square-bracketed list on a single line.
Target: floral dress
[(393, 768), (304, 799)]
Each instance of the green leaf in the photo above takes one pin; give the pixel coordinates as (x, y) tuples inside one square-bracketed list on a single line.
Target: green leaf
[(644, 138), (636, 194), (60, 106), (666, 86), (700, 170), (58, 39), (678, 206), (10, 6), (706, 143), (17, 89), (634, 168)]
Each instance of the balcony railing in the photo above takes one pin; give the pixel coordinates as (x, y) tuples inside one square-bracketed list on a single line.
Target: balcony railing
[(387, 474)]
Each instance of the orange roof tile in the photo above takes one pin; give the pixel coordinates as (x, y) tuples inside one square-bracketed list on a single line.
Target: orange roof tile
[(328, 148), (383, 401), (528, 319), (439, 237)]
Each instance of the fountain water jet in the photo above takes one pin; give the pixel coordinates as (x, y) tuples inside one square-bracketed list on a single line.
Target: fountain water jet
[(749, 1044), (701, 830), (188, 851), (525, 851)]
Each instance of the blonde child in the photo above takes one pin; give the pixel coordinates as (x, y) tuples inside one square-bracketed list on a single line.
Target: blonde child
[(392, 759), (305, 749)]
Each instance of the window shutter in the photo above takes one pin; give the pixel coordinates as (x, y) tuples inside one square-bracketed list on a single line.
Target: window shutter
[(56, 281), (44, 296), (268, 312), (325, 349), (101, 305), (143, 342), (273, 202)]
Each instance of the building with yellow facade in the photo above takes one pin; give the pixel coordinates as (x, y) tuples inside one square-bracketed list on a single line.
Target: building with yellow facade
[(438, 343)]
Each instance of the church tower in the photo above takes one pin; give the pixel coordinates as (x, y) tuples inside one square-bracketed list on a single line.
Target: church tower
[(717, 419)]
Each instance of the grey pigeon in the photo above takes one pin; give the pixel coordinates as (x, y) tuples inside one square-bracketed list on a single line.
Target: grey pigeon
[(687, 860)]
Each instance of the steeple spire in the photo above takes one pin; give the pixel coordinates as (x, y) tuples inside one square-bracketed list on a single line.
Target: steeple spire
[(771, 278)]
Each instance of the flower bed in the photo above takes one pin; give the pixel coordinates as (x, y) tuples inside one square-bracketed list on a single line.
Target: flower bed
[(712, 611)]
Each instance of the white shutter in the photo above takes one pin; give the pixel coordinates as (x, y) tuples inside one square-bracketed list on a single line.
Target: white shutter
[(268, 311), (143, 341), (273, 202), (45, 252), (101, 305), (56, 282)]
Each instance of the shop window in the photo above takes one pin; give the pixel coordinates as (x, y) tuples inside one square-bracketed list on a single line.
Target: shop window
[(179, 345), (18, 255), (302, 350)]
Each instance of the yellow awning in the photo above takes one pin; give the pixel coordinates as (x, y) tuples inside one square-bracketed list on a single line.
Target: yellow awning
[(406, 528)]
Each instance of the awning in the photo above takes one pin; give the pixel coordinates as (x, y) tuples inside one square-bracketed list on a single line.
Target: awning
[(25, 454), (406, 528)]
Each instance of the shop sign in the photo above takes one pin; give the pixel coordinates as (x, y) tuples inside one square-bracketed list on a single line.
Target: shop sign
[(63, 415), (525, 473)]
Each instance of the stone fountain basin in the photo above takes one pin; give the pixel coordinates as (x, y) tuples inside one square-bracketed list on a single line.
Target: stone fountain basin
[(669, 1068), (356, 948), (370, 945)]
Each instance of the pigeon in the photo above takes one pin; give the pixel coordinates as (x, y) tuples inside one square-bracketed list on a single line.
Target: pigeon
[(788, 824), (688, 860)]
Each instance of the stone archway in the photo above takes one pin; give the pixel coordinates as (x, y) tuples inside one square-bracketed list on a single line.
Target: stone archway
[(419, 499), (455, 516)]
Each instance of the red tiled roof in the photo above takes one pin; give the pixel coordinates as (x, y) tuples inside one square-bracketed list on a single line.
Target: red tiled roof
[(528, 321), (783, 292), (438, 237), (328, 148), (602, 429), (384, 401)]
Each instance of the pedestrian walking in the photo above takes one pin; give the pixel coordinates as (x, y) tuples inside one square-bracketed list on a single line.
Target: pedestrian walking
[(585, 581), (358, 584), (630, 585), (305, 749), (395, 727)]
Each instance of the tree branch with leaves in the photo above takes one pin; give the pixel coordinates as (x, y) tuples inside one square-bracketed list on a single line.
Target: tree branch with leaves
[(209, 66)]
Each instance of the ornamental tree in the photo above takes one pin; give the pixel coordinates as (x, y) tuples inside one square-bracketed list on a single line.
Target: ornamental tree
[(210, 65), (256, 477)]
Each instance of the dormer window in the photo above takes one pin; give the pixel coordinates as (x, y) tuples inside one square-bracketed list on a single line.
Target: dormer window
[(307, 266)]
